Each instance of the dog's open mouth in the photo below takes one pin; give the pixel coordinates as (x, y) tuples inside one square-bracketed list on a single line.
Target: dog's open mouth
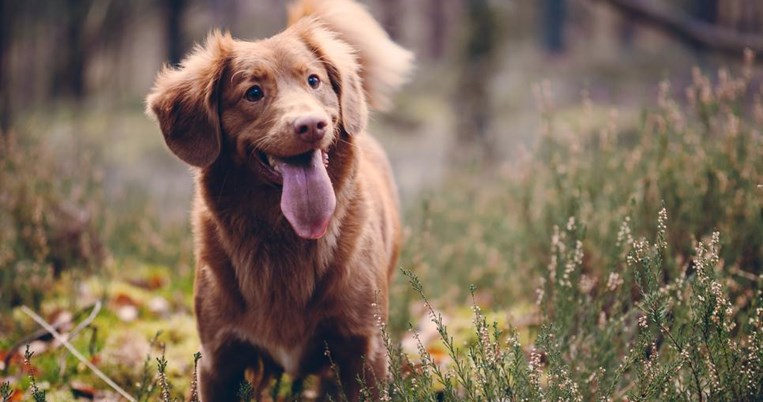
[(270, 166), (307, 196)]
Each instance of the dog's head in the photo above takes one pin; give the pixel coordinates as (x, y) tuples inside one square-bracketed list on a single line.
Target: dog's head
[(276, 106)]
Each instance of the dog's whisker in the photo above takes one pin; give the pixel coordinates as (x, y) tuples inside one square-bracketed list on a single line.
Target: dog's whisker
[(262, 142), (339, 139)]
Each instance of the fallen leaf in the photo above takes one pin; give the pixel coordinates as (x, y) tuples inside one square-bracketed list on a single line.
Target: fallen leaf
[(153, 282), (82, 390), (122, 299)]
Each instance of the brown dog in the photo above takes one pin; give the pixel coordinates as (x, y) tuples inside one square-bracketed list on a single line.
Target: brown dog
[(295, 215)]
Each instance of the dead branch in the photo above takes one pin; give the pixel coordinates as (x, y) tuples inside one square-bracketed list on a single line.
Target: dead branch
[(39, 320), (681, 25)]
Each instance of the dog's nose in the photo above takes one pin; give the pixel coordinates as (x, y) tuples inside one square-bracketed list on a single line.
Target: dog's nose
[(310, 128)]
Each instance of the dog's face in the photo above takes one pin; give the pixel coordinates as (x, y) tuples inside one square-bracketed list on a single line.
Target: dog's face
[(275, 106), (277, 103)]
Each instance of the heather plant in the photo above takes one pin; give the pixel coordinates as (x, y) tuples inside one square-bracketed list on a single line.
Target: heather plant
[(696, 153), (669, 316), (54, 222), (37, 394), (146, 387), (245, 391), (194, 379), (161, 363), (635, 335), (48, 220), (6, 392)]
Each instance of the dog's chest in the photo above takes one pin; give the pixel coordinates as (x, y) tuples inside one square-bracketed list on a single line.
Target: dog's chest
[(280, 317), (284, 339), (281, 289), (289, 359)]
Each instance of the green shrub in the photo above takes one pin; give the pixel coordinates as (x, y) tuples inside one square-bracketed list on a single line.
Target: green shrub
[(677, 340), (677, 317), (48, 220)]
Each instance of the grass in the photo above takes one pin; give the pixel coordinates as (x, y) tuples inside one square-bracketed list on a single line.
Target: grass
[(618, 259)]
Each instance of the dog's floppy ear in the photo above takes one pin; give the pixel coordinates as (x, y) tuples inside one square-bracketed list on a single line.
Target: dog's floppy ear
[(344, 72), (185, 101)]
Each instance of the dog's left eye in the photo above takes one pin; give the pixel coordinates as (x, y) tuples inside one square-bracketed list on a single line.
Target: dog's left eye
[(313, 81), (254, 94)]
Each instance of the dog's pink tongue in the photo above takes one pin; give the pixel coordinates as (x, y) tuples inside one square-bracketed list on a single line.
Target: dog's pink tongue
[(308, 199)]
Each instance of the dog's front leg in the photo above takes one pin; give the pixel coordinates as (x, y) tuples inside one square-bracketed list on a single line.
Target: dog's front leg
[(219, 385), (360, 363), (221, 370), (219, 381)]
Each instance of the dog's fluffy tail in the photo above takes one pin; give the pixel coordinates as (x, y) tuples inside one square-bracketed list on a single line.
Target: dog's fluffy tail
[(385, 65)]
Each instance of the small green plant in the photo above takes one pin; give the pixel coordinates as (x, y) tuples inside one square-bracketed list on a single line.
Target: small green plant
[(161, 363), (37, 393), (337, 378), (6, 392), (195, 381), (146, 386), (676, 339), (245, 391)]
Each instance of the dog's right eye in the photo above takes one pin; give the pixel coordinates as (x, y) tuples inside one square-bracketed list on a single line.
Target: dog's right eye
[(254, 94), (313, 81)]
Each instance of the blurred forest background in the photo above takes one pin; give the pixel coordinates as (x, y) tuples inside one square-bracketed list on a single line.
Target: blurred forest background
[(520, 115), (70, 66)]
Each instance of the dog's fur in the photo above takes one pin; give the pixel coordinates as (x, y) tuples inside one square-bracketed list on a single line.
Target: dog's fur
[(265, 297)]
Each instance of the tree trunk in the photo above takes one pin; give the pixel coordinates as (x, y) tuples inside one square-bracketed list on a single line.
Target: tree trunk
[(76, 63), (437, 31), (392, 12), (69, 76), (112, 42), (6, 20), (627, 34), (554, 15), (706, 11), (472, 100), (173, 13), (224, 13)]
